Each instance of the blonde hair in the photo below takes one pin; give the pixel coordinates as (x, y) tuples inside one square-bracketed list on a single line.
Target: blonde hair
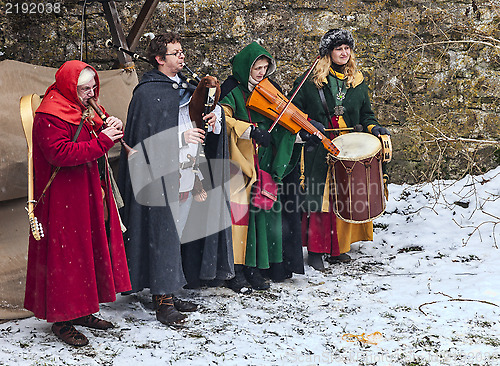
[(323, 68)]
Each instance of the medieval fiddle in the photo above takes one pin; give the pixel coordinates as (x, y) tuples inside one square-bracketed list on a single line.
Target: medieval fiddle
[(267, 100), (28, 105)]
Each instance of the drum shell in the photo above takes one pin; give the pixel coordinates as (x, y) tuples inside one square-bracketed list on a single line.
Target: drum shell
[(358, 188)]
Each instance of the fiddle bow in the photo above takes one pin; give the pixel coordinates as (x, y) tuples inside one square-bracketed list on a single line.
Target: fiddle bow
[(294, 94)]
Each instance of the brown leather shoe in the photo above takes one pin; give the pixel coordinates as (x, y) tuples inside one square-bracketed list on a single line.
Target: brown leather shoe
[(167, 313), (66, 332), (90, 321), (181, 305)]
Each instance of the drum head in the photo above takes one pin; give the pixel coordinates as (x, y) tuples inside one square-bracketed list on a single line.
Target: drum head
[(356, 146)]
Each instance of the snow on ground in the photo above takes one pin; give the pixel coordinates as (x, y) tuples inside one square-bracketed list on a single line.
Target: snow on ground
[(429, 283)]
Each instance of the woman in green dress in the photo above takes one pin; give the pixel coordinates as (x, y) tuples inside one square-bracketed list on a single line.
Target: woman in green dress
[(257, 234)]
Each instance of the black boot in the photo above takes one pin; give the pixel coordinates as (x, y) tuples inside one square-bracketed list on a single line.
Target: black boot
[(167, 313), (342, 258), (239, 283), (253, 276), (213, 283), (315, 260), (277, 272)]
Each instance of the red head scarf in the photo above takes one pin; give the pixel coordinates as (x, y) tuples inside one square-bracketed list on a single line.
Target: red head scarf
[(61, 98)]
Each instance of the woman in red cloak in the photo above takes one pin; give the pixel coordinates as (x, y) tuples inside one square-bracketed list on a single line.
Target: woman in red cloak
[(80, 262)]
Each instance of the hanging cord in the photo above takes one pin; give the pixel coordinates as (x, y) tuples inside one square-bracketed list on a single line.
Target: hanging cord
[(184, 11), (84, 32)]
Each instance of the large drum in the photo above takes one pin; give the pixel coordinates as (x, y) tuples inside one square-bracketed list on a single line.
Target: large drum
[(357, 177)]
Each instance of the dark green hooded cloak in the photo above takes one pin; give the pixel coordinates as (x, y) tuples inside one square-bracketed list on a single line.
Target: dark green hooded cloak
[(264, 243)]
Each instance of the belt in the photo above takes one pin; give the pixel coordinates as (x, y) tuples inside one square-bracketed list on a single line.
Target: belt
[(186, 164), (183, 196)]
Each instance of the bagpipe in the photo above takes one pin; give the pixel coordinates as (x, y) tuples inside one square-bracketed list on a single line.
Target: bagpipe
[(205, 97), (203, 101)]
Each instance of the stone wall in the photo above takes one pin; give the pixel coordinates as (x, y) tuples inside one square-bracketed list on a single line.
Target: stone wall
[(433, 67)]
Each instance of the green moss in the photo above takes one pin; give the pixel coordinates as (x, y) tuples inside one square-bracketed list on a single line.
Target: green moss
[(422, 87)]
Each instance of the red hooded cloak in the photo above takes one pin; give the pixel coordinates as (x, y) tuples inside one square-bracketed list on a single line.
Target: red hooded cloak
[(80, 262)]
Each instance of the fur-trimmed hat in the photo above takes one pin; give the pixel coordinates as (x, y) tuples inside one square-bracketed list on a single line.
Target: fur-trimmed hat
[(334, 38)]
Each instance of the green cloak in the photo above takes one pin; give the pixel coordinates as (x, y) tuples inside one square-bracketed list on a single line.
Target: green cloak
[(357, 110), (264, 240)]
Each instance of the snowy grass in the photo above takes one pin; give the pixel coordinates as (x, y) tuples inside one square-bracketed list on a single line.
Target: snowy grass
[(429, 283)]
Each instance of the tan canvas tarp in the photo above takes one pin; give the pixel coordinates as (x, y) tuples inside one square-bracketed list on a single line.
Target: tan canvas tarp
[(18, 79), (13, 248)]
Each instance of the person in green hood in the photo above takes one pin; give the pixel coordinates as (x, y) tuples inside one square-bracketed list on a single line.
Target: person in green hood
[(337, 96), (257, 234)]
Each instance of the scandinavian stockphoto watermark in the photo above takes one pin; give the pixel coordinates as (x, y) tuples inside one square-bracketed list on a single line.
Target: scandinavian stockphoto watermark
[(419, 357), (155, 172), (154, 175)]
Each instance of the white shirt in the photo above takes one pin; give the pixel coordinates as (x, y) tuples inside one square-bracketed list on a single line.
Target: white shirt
[(186, 182)]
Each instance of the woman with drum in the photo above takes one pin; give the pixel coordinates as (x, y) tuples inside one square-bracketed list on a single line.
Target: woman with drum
[(337, 96)]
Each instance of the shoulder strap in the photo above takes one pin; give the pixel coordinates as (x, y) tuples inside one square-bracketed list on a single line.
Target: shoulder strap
[(79, 129), (229, 84), (84, 115)]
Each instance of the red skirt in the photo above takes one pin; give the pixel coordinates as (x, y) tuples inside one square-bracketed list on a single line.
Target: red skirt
[(319, 232)]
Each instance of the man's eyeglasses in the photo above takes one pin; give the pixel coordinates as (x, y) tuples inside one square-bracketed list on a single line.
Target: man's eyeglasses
[(176, 54), (87, 89)]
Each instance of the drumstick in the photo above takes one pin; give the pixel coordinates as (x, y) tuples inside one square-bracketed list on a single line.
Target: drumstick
[(339, 129), (357, 128)]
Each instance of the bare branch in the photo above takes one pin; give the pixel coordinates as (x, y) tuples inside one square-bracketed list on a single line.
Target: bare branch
[(465, 300), (454, 139), (423, 45)]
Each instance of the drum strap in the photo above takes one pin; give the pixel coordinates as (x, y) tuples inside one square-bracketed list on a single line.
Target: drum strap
[(323, 102)]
